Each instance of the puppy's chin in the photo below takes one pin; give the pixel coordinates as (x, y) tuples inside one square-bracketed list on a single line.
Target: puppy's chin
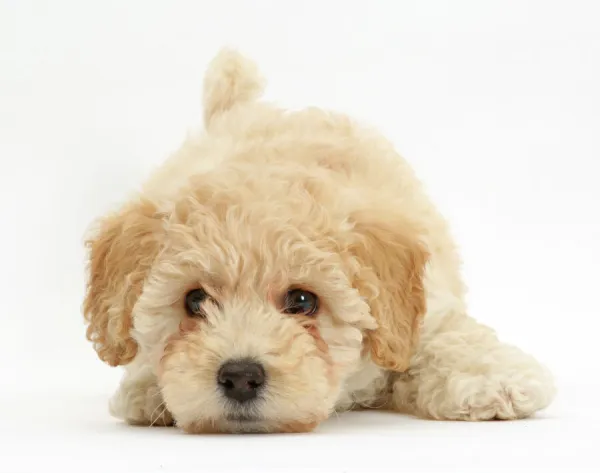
[(248, 426)]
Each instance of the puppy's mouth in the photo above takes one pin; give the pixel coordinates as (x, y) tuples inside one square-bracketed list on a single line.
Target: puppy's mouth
[(244, 423), (243, 418), (249, 424)]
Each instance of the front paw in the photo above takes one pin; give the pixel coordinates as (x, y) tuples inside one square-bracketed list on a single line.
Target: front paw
[(498, 394), (140, 404)]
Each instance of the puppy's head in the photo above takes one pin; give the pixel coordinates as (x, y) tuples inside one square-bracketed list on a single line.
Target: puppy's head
[(260, 287)]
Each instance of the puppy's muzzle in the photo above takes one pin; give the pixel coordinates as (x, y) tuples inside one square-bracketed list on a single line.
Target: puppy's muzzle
[(241, 380)]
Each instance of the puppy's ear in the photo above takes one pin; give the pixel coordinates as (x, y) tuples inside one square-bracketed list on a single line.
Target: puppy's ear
[(391, 261), (229, 80), (120, 256)]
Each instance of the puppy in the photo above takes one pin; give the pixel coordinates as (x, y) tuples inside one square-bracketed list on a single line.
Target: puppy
[(282, 266)]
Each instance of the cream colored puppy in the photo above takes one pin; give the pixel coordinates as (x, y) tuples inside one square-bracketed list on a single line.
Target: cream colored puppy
[(285, 265)]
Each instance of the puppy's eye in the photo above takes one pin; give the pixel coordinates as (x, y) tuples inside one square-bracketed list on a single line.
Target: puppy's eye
[(194, 300), (300, 302)]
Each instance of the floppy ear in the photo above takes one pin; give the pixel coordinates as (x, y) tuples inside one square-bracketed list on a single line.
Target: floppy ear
[(229, 80), (392, 262), (120, 256)]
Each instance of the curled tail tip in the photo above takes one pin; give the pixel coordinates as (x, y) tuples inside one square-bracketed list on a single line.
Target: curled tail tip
[(230, 78)]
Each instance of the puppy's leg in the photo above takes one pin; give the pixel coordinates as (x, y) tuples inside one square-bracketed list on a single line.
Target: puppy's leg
[(463, 372), (138, 401)]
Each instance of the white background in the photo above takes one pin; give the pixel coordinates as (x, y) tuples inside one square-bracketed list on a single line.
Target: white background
[(496, 104)]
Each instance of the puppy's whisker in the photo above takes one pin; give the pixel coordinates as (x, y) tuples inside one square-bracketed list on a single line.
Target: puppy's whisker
[(153, 421), (162, 414)]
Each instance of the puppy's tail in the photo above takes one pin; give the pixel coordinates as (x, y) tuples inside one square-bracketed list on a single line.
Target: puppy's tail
[(230, 79)]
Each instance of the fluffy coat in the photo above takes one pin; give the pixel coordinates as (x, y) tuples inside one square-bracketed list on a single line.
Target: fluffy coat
[(266, 199)]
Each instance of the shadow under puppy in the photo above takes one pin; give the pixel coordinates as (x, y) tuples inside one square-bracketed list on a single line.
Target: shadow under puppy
[(281, 266)]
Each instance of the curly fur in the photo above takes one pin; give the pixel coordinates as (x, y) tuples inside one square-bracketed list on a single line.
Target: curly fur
[(264, 200)]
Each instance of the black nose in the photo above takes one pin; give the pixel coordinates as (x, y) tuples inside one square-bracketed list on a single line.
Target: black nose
[(241, 380)]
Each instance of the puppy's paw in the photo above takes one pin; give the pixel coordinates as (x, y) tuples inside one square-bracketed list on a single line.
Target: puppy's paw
[(496, 395), (498, 392), (140, 404)]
